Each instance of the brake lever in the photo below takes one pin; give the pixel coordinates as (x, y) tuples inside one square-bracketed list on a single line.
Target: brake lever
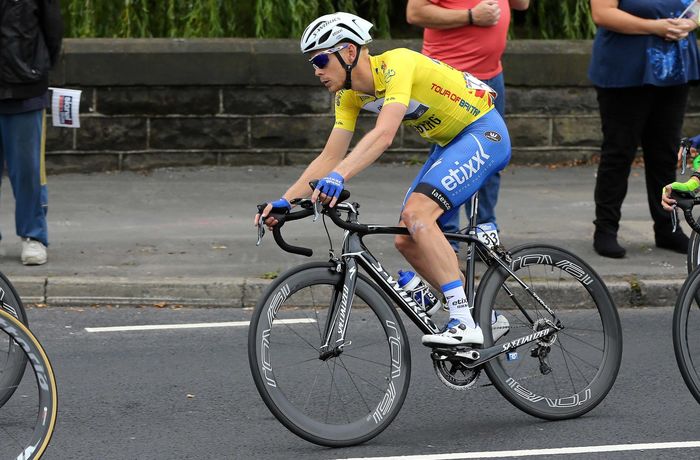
[(674, 219), (685, 148), (261, 232), (318, 206)]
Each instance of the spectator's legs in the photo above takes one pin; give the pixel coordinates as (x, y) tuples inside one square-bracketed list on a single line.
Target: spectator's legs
[(23, 154), (623, 114), (660, 140)]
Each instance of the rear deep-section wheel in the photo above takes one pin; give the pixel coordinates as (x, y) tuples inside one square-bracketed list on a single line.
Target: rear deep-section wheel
[(564, 374), (338, 399), (27, 419)]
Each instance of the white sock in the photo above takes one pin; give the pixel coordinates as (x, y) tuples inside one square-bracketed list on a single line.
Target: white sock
[(457, 302)]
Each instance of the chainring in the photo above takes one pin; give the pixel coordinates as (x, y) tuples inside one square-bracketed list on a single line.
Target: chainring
[(454, 375)]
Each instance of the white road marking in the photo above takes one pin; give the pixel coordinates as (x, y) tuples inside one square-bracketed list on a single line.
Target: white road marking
[(535, 452), (156, 327)]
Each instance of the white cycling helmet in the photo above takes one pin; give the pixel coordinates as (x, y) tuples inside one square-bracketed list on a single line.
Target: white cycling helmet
[(331, 29)]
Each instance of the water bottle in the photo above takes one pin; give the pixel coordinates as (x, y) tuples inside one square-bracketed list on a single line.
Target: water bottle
[(419, 291)]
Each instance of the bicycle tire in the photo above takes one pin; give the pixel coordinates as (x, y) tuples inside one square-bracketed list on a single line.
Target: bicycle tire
[(275, 377), (581, 379), (687, 331), (12, 360), (33, 446)]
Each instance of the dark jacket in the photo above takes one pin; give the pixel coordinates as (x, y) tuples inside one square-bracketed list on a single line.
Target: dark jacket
[(30, 42)]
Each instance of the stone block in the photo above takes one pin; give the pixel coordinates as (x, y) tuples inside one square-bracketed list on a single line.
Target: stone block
[(520, 100), (268, 158), (549, 155), (81, 162), (198, 133), (276, 99), (111, 133), (579, 130), (300, 158), (691, 125), (156, 159), (290, 132), (159, 100), (58, 138), (528, 131)]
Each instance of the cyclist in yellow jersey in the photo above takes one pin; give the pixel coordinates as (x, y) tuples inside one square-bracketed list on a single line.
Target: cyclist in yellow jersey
[(449, 108)]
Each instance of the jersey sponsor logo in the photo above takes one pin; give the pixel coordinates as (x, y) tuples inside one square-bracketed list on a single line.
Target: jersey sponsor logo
[(434, 194), (492, 136), (456, 98), (428, 124), (388, 74), (464, 172), (338, 96)]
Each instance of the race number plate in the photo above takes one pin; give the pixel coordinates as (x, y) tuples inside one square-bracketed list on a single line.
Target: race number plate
[(488, 234)]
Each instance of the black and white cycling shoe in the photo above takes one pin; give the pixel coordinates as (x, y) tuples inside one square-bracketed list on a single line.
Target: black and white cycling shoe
[(454, 333)]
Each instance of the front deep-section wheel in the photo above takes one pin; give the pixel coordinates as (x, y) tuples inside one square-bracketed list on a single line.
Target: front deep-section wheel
[(686, 332), (333, 399), (561, 375), (27, 419)]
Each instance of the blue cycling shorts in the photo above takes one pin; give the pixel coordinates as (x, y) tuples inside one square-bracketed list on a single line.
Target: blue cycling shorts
[(455, 172)]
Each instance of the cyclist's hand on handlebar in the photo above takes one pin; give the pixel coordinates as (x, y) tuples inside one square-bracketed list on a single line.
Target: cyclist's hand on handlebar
[(281, 205), (328, 189), (689, 186)]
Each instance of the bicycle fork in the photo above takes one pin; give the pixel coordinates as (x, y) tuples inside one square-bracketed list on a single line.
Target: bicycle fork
[(337, 319)]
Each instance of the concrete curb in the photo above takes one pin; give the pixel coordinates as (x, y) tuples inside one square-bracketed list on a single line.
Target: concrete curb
[(64, 291)]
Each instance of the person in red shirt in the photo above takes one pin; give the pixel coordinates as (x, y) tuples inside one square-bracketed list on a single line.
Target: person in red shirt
[(469, 35)]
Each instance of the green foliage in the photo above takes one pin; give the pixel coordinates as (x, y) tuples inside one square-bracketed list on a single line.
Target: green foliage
[(558, 19), (287, 18)]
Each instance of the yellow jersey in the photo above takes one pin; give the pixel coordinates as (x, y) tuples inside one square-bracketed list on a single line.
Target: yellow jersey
[(441, 100)]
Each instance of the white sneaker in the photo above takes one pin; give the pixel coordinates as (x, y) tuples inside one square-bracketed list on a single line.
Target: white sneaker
[(454, 333), (500, 327), (33, 252)]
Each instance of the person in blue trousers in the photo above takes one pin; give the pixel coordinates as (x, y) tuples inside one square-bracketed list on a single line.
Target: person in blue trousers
[(31, 32)]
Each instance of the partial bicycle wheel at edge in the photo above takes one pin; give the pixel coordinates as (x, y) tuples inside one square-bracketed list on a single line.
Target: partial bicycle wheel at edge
[(565, 374), (12, 360), (686, 332), (345, 399), (27, 420)]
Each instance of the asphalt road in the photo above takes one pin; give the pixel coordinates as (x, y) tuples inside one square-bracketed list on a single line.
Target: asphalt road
[(188, 394)]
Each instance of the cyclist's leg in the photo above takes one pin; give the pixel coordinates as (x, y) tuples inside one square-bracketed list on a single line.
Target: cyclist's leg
[(464, 164)]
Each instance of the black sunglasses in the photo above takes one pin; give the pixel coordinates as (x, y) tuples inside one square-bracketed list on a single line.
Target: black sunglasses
[(321, 60)]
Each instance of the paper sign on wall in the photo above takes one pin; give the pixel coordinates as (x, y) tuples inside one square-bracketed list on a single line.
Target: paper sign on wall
[(65, 106)]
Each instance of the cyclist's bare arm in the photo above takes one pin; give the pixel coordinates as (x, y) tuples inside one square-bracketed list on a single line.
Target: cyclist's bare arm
[(375, 142), (332, 154), (335, 149)]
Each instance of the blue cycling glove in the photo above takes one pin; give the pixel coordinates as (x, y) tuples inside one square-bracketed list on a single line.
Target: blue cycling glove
[(281, 203), (331, 185)]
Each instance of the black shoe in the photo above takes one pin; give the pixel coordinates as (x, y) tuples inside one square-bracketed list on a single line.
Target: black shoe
[(675, 241), (606, 245)]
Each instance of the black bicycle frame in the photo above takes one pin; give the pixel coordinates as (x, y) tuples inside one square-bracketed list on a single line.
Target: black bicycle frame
[(355, 253)]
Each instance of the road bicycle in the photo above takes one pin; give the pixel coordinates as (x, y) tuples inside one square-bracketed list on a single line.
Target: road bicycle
[(686, 315), (693, 256), (330, 356), (28, 395)]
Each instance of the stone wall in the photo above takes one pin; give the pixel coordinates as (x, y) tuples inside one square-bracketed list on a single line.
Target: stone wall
[(160, 102)]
